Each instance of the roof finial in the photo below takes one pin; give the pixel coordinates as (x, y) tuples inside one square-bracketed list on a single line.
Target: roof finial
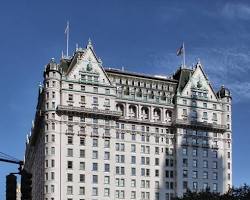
[(89, 43), (198, 61)]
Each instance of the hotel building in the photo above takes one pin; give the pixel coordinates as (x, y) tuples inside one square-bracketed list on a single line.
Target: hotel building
[(103, 133)]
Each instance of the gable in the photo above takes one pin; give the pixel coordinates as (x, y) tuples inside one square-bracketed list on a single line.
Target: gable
[(85, 65), (198, 84)]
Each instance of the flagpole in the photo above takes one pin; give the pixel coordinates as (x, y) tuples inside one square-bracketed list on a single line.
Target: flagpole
[(184, 56), (67, 39)]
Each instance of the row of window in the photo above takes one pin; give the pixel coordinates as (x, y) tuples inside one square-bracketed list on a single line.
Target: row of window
[(195, 174)]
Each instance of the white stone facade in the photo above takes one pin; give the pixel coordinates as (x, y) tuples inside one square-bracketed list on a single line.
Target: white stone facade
[(104, 134)]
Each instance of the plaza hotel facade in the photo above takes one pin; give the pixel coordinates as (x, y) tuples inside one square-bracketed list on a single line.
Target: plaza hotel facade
[(103, 133)]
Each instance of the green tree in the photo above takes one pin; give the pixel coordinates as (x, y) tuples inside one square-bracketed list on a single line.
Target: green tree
[(241, 193)]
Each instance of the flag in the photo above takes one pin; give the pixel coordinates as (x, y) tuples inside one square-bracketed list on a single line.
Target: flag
[(67, 28), (180, 50)]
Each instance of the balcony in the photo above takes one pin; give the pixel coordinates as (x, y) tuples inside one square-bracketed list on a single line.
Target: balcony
[(80, 110), (200, 125)]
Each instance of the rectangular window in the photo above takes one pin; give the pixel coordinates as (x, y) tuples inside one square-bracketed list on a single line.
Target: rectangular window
[(82, 141), (70, 152), (82, 166), (95, 100), (82, 178), (71, 86), (70, 139), (70, 164), (82, 153), (70, 97)]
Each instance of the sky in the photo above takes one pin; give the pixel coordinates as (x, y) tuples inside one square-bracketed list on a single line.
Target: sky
[(139, 35)]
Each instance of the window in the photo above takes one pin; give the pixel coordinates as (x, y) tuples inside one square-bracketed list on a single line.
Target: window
[(133, 194), (133, 137), (214, 106), (205, 186), (184, 151), (133, 159), (71, 86), (205, 175), (95, 154), (82, 153), (70, 164), (156, 173), (69, 177), (133, 171), (95, 143), (214, 164), (52, 175), (106, 180), (82, 190), (133, 183), (70, 97), (185, 173), (133, 148), (69, 190), (82, 166), (107, 91), (214, 116), (106, 167), (215, 154), (195, 152), (95, 89), (95, 100), (94, 179), (82, 178), (205, 105), (94, 191), (215, 176), (195, 185), (53, 138), (53, 163), (195, 163), (205, 153), (82, 99), (106, 192), (157, 161), (106, 144), (215, 187), (106, 155), (204, 115), (195, 174), (70, 152), (184, 101), (95, 166), (70, 139), (205, 164), (82, 88), (82, 141)]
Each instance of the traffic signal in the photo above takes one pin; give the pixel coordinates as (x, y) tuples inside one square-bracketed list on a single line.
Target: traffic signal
[(11, 187), (26, 185)]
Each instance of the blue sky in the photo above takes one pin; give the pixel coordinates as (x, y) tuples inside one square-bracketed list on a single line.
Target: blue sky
[(140, 36)]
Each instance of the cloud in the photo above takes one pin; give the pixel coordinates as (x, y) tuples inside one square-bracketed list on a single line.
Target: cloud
[(236, 11)]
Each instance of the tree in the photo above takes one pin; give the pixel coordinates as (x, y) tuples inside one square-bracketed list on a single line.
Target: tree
[(241, 193)]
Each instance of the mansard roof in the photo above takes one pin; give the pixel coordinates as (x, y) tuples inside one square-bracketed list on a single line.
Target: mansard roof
[(141, 75), (182, 75)]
